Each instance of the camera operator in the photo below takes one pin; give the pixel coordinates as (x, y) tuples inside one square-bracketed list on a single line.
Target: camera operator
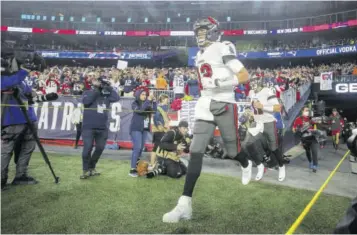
[(304, 127), (173, 144), (15, 67), (96, 103)]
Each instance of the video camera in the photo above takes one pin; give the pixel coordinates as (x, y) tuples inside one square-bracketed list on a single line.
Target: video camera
[(306, 135), (186, 140), (11, 61), (105, 86)]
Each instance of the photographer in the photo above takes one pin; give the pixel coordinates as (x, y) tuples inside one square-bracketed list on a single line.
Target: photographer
[(96, 103), (15, 67), (304, 127), (173, 144)]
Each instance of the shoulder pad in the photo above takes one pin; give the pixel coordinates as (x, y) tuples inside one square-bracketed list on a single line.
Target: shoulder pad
[(227, 43), (228, 48)]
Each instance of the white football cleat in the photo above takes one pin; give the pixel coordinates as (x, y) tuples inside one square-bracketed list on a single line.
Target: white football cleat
[(182, 211), (247, 173), (282, 173), (260, 173)]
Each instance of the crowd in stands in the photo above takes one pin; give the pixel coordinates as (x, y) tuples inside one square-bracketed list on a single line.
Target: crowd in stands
[(179, 82), (280, 45), (242, 45)]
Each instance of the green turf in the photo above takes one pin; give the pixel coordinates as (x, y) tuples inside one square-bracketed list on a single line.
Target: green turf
[(117, 203)]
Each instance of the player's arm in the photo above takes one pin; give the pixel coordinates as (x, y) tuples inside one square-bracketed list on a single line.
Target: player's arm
[(229, 57), (271, 104)]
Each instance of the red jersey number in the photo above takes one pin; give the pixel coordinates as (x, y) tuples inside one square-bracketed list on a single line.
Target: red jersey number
[(206, 70)]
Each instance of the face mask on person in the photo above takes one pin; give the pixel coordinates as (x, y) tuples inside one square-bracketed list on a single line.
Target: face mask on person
[(306, 114)]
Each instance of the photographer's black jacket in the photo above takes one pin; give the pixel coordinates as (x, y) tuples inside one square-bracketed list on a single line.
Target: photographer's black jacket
[(96, 106), (171, 139), (168, 145)]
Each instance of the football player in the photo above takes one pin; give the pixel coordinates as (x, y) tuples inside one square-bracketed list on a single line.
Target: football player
[(265, 105), (219, 71)]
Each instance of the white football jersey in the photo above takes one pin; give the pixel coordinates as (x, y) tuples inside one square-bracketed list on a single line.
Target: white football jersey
[(263, 96), (212, 71), (179, 84)]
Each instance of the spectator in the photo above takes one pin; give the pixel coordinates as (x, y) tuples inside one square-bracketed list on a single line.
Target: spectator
[(129, 84), (161, 82), (193, 88), (52, 84), (142, 107)]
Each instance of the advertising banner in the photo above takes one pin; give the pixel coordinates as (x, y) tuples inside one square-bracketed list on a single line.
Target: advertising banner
[(54, 119), (145, 55), (285, 54)]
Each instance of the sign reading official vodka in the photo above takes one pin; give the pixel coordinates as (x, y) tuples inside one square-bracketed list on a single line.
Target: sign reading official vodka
[(346, 88), (336, 50)]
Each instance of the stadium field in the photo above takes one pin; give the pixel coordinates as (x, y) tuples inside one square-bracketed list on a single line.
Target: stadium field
[(117, 203)]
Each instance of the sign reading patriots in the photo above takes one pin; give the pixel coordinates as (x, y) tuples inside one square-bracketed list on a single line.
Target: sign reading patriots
[(54, 119)]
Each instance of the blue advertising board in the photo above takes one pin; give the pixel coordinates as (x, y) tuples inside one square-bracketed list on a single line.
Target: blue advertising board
[(283, 54), (138, 55)]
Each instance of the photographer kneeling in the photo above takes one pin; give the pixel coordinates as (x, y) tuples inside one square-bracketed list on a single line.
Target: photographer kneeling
[(96, 103), (173, 144)]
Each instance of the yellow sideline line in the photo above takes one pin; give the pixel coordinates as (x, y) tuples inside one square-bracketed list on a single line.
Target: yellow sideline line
[(303, 214)]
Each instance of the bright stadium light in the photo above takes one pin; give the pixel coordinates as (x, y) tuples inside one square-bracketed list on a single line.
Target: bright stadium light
[(113, 19), (146, 19), (168, 20), (188, 19), (83, 19), (228, 18), (129, 20)]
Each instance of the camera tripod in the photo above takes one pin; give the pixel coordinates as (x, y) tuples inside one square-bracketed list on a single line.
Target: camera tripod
[(34, 133)]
